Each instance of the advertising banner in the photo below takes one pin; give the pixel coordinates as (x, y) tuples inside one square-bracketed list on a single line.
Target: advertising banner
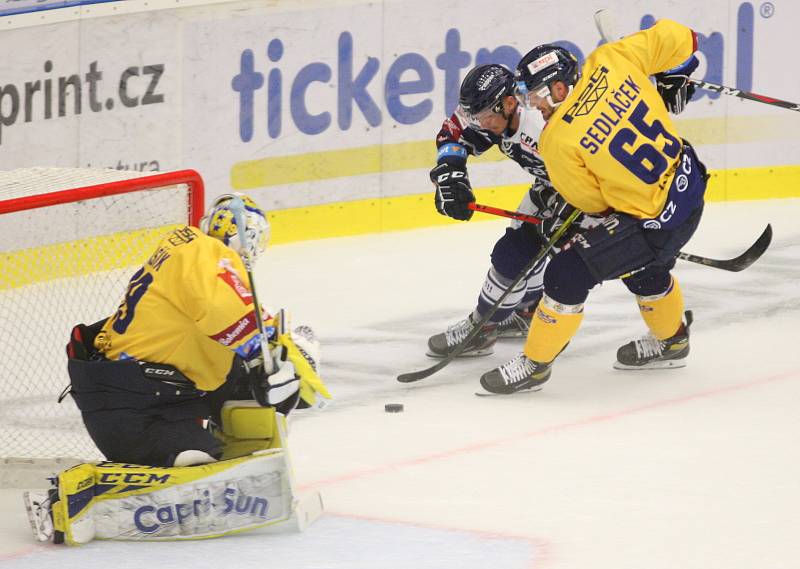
[(308, 103)]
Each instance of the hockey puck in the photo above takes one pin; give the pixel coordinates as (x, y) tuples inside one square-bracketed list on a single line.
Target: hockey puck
[(393, 407)]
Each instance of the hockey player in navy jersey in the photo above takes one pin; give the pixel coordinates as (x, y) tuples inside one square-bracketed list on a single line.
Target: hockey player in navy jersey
[(488, 114)]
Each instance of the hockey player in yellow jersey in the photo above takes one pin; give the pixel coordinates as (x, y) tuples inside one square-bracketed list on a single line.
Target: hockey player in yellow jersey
[(611, 149), (184, 340), (185, 390)]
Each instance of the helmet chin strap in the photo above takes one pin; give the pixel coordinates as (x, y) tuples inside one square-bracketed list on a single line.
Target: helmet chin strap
[(509, 117), (558, 104)]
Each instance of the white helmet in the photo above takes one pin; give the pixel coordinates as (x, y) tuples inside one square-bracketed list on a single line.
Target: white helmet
[(220, 223)]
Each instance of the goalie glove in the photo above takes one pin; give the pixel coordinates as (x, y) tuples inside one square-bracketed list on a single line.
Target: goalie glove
[(279, 386), (304, 352), (674, 87)]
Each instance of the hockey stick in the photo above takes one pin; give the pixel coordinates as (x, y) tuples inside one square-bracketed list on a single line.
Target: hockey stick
[(735, 265), (748, 95), (739, 263), (238, 208), (604, 22), (476, 328), (504, 213)]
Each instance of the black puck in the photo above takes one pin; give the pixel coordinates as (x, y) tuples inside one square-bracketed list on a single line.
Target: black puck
[(393, 407)]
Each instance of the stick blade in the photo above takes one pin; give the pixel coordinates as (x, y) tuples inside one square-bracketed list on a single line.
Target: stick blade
[(754, 253), (606, 24), (739, 263), (308, 509), (413, 376)]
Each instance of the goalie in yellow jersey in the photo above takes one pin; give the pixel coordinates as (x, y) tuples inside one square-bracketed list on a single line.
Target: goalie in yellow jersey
[(611, 149), (184, 346), (184, 340)]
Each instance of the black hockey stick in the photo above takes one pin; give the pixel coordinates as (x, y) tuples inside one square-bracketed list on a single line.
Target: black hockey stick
[(476, 328), (604, 21), (739, 263), (736, 264), (748, 95)]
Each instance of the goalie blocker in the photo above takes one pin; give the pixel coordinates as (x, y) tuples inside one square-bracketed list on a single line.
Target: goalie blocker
[(115, 501)]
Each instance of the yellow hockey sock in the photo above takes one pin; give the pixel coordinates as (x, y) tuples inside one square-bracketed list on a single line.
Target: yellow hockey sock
[(552, 327), (663, 313)]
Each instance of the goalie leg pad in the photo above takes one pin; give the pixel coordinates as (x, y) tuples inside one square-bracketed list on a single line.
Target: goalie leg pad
[(138, 503), (247, 427)]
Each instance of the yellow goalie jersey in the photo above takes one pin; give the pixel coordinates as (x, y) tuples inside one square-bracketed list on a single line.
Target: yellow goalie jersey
[(190, 306), (611, 144)]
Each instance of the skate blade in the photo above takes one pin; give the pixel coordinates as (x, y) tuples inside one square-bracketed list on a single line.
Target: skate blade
[(663, 364), (469, 354), (490, 394), (512, 335), (42, 528)]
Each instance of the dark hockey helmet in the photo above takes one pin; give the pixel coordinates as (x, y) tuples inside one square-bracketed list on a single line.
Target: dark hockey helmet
[(539, 68), (483, 89)]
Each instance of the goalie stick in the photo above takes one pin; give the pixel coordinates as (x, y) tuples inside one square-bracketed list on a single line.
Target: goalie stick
[(604, 21), (238, 209), (476, 328), (735, 265)]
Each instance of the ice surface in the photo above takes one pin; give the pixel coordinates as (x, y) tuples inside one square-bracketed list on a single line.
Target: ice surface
[(690, 468)]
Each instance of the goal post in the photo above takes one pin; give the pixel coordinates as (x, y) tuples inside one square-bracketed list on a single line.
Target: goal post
[(70, 238)]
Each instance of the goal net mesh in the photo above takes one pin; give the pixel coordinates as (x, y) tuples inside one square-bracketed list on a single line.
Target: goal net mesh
[(66, 263)]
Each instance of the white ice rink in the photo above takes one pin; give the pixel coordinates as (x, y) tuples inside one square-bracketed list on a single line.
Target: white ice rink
[(694, 468)]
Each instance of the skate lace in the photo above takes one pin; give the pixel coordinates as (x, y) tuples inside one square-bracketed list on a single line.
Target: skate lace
[(517, 369), (456, 333), (648, 346)]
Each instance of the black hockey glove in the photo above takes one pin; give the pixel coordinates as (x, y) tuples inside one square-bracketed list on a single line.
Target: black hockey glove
[(279, 388), (674, 87), (544, 199), (561, 211), (453, 191), (553, 210)]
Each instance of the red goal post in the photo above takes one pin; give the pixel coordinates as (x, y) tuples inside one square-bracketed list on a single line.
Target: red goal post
[(70, 238)]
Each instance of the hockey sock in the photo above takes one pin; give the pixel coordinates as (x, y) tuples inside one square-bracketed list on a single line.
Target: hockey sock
[(531, 299), (494, 287), (663, 312), (552, 327)]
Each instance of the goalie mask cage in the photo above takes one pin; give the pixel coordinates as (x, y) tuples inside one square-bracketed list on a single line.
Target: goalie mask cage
[(70, 238)]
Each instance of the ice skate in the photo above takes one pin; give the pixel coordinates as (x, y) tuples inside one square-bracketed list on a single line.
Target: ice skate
[(39, 507), (651, 353), (516, 325), (519, 374), (442, 344)]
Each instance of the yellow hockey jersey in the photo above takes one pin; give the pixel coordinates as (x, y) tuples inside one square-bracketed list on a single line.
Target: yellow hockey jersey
[(189, 306), (611, 144)]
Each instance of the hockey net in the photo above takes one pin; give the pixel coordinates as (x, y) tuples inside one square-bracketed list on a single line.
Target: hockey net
[(70, 238)]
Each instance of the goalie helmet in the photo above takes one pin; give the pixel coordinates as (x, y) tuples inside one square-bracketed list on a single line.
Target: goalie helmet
[(539, 68), (483, 91), (220, 223)]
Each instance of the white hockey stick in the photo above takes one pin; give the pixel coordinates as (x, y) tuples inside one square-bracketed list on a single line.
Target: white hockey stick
[(307, 509), (606, 25), (238, 208)]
